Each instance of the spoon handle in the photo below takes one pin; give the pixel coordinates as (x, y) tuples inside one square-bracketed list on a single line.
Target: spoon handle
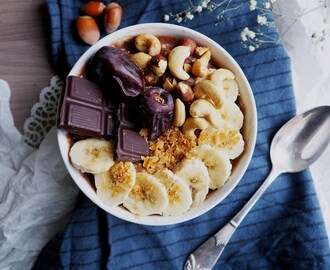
[(206, 256)]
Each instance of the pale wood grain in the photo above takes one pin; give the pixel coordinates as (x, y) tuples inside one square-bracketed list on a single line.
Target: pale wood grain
[(24, 53)]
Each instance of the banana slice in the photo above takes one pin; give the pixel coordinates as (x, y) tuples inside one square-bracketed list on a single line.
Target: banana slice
[(226, 79), (194, 173), (217, 163), (92, 155), (147, 197), (231, 113), (231, 89), (114, 186), (228, 139), (178, 192)]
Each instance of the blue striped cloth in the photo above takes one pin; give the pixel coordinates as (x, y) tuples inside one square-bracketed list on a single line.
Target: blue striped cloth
[(285, 229)]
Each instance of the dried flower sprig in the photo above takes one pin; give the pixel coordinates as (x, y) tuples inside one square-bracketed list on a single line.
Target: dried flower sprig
[(268, 14)]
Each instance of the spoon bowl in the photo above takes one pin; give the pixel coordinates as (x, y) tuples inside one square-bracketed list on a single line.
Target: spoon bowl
[(301, 141), (298, 144)]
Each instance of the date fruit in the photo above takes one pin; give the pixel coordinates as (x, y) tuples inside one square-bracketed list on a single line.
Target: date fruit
[(112, 64), (158, 108)]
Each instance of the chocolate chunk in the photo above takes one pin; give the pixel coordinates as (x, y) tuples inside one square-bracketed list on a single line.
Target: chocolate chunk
[(125, 118), (85, 110), (131, 146)]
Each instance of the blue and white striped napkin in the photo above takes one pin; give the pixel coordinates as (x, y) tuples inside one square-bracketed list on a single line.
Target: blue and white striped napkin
[(285, 230)]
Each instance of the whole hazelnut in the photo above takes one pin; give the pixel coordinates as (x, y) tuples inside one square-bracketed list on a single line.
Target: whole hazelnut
[(93, 8), (185, 92), (87, 29), (150, 78), (112, 17), (158, 65), (189, 43)]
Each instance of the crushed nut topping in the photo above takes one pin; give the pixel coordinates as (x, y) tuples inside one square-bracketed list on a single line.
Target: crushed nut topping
[(167, 150)]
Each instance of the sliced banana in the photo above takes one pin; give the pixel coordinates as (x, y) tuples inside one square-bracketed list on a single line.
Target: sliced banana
[(228, 139), (226, 79), (231, 113), (217, 163), (194, 173), (231, 89), (114, 186), (92, 155), (148, 196), (178, 192)]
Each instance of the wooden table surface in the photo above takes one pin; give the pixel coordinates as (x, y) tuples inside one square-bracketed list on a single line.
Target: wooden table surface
[(25, 59)]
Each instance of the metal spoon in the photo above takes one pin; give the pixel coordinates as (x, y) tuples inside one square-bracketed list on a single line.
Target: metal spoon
[(295, 147)]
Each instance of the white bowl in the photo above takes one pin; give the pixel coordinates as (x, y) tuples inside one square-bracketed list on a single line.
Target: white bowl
[(249, 129)]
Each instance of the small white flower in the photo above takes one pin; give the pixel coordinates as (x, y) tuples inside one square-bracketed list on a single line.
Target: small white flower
[(253, 5), (251, 34), (272, 1), (262, 20), (166, 17), (199, 9), (189, 16), (178, 19), (266, 5), (251, 48), (204, 4), (246, 30), (243, 36)]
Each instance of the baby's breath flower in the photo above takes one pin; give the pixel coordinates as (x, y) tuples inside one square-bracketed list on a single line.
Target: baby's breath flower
[(199, 9), (266, 5), (178, 19), (253, 5), (204, 4), (251, 34), (243, 36), (262, 20), (166, 17), (251, 48), (189, 16)]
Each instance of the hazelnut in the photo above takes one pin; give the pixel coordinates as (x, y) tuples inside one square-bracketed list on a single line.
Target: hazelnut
[(189, 43), (201, 50), (87, 29), (187, 68), (112, 17), (150, 78), (185, 92), (93, 8), (158, 65), (169, 82)]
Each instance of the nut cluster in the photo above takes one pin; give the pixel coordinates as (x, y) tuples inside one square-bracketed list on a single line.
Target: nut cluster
[(98, 17), (184, 70)]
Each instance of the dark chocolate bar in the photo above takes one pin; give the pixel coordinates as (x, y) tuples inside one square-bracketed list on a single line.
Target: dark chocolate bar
[(131, 146), (85, 110)]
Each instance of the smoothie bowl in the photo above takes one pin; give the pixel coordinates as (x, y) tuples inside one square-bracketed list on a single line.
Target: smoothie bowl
[(157, 124)]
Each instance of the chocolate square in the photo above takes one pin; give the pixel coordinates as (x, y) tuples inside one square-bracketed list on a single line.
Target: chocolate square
[(85, 109)]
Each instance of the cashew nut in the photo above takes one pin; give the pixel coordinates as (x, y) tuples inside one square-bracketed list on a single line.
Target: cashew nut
[(179, 113), (208, 90), (204, 109), (221, 74), (200, 66), (141, 59), (192, 124), (176, 60), (148, 43)]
